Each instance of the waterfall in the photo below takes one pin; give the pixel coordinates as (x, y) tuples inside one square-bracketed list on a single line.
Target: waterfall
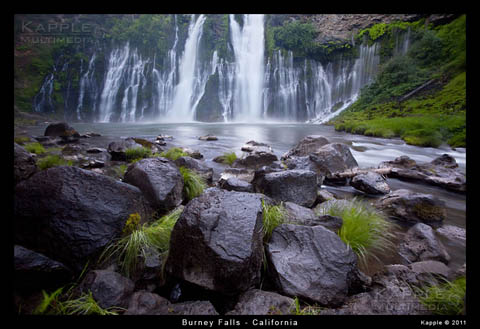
[(42, 102), (248, 48), (87, 82), (190, 81)]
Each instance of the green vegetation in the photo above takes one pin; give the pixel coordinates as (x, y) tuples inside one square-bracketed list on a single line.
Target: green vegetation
[(444, 299), (193, 183), (35, 147), (86, 305), (174, 153), (52, 161), (120, 170), (272, 217), (307, 310), (49, 302), (21, 140), (364, 229), (228, 158), (430, 117), (137, 153), (132, 249)]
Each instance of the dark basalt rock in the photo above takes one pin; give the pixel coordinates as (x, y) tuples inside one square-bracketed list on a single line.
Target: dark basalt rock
[(217, 243), (118, 148), (159, 180), (307, 145), (412, 207), (24, 165), (196, 165), (420, 244), (312, 263), (203, 307), (108, 288), (235, 184), (370, 183), (147, 303), (61, 129), (259, 302), (298, 186), (70, 214)]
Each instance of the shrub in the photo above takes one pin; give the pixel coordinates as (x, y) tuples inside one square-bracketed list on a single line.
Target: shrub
[(129, 250), (52, 161), (174, 153), (193, 183), (135, 154), (272, 217), (364, 229), (36, 148), (444, 299)]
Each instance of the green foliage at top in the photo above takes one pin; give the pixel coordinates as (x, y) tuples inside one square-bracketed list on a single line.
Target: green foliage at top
[(174, 153), (364, 228), (272, 217), (193, 183), (444, 299)]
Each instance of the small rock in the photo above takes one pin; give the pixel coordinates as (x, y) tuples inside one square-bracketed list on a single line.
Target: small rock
[(96, 150), (259, 302), (208, 138), (235, 184), (370, 183), (61, 129), (307, 145), (453, 233), (147, 303), (193, 308)]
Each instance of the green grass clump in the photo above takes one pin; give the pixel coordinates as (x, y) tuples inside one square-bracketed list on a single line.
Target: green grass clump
[(120, 170), (21, 139), (86, 305), (229, 158), (35, 147), (135, 154), (272, 217), (129, 251), (52, 161), (446, 298), (193, 183), (174, 153), (364, 229), (50, 303)]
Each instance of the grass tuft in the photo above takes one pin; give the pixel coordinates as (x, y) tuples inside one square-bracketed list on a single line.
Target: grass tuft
[(86, 305), (174, 153), (135, 154), (52, 161), (50, 303), (364, 229), (193, 183), (272, 217), (133, 248), (444, 299), (35, 147), (229, 158)]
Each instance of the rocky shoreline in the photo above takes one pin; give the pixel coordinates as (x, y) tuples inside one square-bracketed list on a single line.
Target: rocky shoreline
[(65, 216)]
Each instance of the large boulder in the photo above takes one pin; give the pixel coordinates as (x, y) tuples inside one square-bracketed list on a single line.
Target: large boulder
[(195, 165), (298, 186), (24, 164), (312, 263), (420, 244), (259, 302), (305, 216), (235, 184), (117, 149), (61, 129), (411, 207), (333, 158), (70, 214), (34, 270), (159, 180), (217, 243), (442, 171), (108, 288), (305, 146), (370, 183), (256, 155)]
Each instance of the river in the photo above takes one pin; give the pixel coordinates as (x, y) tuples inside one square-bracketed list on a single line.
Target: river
[(368, 151)]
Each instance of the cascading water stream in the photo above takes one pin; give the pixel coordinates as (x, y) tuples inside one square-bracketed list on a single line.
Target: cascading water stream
[(87, 82)]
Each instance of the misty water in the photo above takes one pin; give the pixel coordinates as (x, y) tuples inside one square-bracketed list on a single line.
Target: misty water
[(368, 151)]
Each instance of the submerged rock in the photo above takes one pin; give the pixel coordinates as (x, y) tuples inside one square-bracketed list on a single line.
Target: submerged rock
[(70, 214), (217, 243), (312, 263), (159, 180)]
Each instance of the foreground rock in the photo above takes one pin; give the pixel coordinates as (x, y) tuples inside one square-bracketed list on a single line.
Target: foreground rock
[(442, 171), (256, 155), (147, 303), (235, 184), (159, 180), (217, 241), (411, 207), (24, 164), (307, 145), (117, 149), (312, 263), (70, 214), (305, 216), (197, 166), (298, 186), (259, 302), (34, 270), (108, 288), (420, 244), (371, 183)]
